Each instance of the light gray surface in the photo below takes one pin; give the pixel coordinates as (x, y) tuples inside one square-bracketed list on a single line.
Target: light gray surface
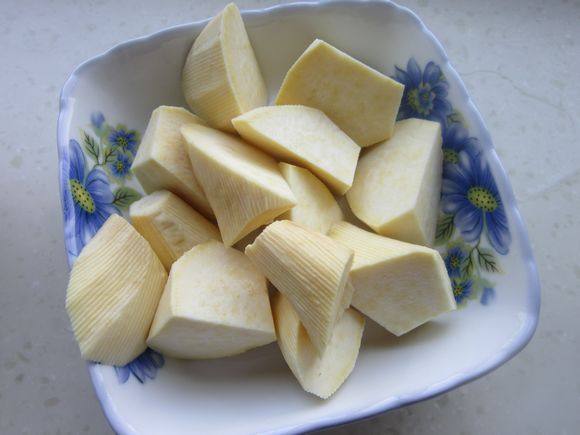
[(520, 61)]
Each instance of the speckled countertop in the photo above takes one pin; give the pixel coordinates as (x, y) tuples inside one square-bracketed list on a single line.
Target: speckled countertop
[(520, 60)]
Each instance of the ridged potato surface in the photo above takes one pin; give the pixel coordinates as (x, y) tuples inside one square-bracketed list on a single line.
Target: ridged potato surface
[(243, 185), (170, 225), (318, 373), (114, 288), (162, 161), (221, 78), (310, 269)]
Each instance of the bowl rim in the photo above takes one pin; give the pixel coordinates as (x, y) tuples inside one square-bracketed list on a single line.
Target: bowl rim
[(523, 336)]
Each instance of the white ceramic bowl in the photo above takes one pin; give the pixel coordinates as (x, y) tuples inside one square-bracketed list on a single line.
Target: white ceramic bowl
[(105, 105)]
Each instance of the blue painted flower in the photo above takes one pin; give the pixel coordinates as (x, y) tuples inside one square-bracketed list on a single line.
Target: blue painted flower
[(455, 140), (97, 120), (462, 289), (454, 261), (143, 367), (87, 200), (124, 140), (425, 94), (121, 165), (469, 193), (487, 296)]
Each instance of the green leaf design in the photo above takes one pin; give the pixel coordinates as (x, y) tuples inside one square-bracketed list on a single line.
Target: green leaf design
[(125, 196), (108, 155), (468, 266), (487, 260), (91, 146), (455, 117), (445, 228)]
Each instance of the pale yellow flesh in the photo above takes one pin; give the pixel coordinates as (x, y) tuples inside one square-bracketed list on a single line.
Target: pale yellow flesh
[(360, 100), (397, 284), (221, 78), (162, 161), (113, 291), (397, 184), (170, 225), (321, 374), (243, 185), (303, 136), (316, 208), (310, 269), (215, 304)]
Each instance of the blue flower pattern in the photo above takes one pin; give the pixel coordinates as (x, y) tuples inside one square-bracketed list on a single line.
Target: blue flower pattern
[(90, 196), (97, 120), (455, 140), (454, 259), (120, 167), (487, 296), (125, 140), (425, 94), (88, 200), (462, 289), (471, 205), (470, 194), (143, 367)]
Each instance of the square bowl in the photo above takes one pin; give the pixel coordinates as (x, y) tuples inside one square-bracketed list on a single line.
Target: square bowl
[(104, 108)]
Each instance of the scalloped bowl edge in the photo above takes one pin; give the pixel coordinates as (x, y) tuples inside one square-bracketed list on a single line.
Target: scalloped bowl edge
[(533, 303)]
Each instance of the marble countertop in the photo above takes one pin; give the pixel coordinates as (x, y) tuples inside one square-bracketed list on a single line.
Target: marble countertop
[(520, 61)]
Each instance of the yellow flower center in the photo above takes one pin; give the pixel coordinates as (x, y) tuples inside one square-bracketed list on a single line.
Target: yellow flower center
[(458, 290), (454, 261), (450, 156), (122, 141), (482, 198), (421, 99), (82, 196)]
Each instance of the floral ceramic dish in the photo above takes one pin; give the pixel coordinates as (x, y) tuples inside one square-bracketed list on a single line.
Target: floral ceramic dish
[(105, 105)]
